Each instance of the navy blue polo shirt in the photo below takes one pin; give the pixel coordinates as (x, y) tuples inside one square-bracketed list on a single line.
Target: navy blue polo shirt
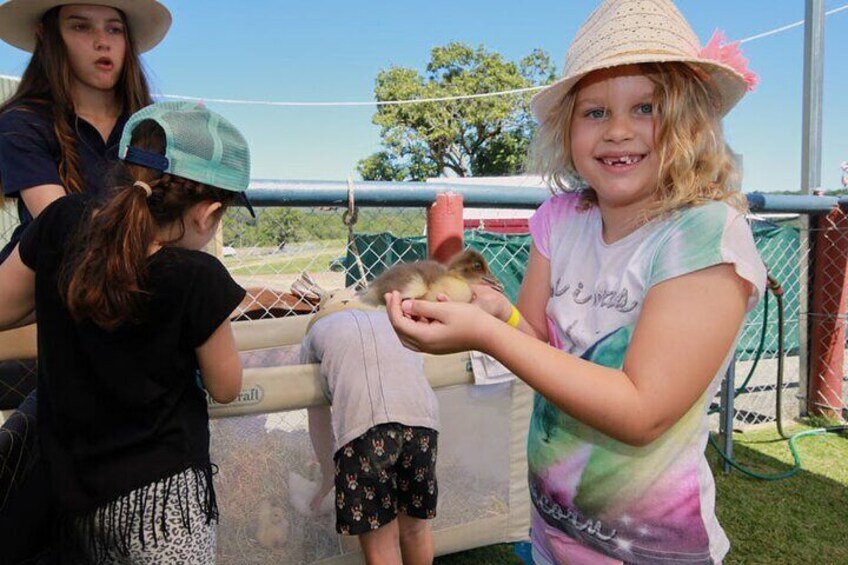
[(30, 155)]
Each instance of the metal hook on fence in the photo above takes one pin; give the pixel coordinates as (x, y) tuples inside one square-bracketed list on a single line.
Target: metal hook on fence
[(351, 215), (349, 218)]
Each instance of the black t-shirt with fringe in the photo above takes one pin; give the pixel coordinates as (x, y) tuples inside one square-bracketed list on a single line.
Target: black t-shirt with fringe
[(122, 409)]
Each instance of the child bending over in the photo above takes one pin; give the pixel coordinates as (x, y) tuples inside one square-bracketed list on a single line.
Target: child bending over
[(384, 435)]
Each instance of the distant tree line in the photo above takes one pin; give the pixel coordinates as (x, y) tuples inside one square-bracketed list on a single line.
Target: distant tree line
[(278, 226)]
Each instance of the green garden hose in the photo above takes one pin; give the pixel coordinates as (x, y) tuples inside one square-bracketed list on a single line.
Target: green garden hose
[(775, 288)]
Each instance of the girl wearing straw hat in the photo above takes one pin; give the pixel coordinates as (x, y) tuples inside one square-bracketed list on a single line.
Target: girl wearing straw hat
[(641, 272), (61, 127)]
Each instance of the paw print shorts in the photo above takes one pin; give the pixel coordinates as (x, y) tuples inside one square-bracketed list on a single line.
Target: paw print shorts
[(390, 468)]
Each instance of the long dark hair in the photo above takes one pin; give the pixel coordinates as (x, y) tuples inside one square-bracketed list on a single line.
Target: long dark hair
[(104, 275), (46, 87)]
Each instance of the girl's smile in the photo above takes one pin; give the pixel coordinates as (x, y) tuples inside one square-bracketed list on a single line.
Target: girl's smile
[(613, 140), (620, 163)]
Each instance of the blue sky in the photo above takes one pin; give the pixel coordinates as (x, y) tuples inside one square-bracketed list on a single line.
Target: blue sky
[(332, 51)]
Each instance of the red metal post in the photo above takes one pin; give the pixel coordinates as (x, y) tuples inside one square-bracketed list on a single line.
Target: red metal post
[(827, 315), (444, 227)]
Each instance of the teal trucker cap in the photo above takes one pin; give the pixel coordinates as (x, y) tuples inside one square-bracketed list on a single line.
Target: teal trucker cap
[(200, 145)]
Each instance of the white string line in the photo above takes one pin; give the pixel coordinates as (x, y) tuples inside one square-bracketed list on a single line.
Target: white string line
[(443, 98), (790, 26), (368, 103), (424, 100)]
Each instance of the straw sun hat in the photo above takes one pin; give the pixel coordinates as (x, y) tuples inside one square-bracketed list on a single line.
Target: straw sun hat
[(148, 19), (627, 32)]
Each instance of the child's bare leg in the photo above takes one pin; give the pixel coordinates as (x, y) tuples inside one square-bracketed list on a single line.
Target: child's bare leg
[(321, 434), (416, 540), (382, 546)]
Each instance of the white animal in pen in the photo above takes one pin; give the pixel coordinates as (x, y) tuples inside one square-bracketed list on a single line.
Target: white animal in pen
[(272, 528)]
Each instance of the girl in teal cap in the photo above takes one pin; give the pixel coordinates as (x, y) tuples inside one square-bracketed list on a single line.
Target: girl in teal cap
[(133, 325)]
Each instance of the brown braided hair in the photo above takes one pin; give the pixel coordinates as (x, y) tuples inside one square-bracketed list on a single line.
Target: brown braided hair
[(105, 273)]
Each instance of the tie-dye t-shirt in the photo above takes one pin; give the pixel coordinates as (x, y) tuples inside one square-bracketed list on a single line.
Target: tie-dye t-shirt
[(651, 504)]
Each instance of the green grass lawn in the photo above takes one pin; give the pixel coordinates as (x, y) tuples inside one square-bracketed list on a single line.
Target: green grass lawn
[(316, 260), (289, 265), (800, 520)]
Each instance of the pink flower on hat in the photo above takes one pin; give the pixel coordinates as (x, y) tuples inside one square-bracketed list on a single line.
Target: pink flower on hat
[(717, 49)]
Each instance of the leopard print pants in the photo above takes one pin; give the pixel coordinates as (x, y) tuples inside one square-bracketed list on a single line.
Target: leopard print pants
[(172, 542)]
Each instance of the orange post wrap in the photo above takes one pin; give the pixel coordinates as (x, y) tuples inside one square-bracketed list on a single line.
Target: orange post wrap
[(444, 227), (827, 351)]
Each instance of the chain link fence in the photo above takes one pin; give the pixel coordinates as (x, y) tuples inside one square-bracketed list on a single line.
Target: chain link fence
[(778, 339), (267, 255), (768, 371), (827, 393)]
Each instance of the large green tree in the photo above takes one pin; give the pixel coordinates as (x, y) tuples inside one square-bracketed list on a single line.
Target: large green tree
[(470, 137)]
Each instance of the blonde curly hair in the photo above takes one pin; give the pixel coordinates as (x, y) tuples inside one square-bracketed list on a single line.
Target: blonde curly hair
[(696, 165)]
